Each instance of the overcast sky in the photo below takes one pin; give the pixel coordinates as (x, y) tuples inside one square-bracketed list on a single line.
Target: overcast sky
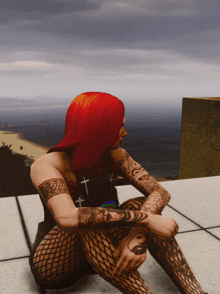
[(135, 49)]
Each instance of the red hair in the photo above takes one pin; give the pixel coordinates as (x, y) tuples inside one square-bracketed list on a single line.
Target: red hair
[(93, 122)]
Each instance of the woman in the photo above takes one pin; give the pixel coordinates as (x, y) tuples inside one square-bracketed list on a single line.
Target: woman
[(85, 229)]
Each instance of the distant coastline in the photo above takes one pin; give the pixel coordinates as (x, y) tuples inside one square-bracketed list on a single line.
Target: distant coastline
[(23, 125), (34, 151), (153, 137), (20, 145)]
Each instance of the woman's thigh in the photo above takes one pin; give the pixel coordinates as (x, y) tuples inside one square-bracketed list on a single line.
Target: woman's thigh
[(58, 261)]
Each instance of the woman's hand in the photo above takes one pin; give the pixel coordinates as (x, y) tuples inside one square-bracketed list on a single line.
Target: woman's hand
[(131, 252), (163, 227)]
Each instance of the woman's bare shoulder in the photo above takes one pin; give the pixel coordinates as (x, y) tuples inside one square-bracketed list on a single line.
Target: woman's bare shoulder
[(58, 160), (51, 166)]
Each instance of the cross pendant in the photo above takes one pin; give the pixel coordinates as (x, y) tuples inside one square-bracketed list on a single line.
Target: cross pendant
[(80, 200), (84, 182)]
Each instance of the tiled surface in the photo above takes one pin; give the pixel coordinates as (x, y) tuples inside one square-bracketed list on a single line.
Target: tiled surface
[(16, 278), (184, 223), (127, 192), (216, 232), (12, 240), (196, 199), (202, 252), (32, 211)]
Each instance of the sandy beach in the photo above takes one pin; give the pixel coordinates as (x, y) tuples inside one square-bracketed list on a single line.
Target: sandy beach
[(20, 145)]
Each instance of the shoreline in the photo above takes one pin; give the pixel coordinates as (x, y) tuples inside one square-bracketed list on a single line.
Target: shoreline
[(20, 145), (33, 150)]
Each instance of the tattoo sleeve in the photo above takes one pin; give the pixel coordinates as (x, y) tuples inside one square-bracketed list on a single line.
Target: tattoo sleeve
[(52, 187), (103, 218), (157, 196)]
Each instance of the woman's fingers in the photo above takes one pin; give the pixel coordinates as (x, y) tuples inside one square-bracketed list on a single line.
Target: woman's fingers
[(119, 264), (120, 267)]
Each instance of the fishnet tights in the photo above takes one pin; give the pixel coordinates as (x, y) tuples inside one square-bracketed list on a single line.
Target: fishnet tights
[(56, 258), (100, 250), (59, 258), (169, 255)]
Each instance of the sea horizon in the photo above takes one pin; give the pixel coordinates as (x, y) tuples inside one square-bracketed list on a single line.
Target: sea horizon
[(153, 137)]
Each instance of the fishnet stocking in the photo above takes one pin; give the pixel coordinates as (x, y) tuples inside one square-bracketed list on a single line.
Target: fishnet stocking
[(169, 255), (58, 257), (100, 250)]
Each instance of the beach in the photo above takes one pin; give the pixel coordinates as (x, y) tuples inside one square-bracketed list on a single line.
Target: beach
[(157, 149), (20, 145)]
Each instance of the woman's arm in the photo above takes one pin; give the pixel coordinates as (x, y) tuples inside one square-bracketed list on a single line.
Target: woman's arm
[(157, 196), (54, 191), (52, 186), (131, 253)]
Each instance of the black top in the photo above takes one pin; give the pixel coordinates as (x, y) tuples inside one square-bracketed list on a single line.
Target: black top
[(98, 191)]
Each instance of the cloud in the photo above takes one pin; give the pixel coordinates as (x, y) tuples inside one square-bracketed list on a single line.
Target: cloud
[(114, 21), (63, 28), (103, 44), (113, 24), (25, 68), (24, 64), (118, 66)]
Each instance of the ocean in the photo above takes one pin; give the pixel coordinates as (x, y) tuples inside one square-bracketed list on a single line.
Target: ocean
[(154, 134)]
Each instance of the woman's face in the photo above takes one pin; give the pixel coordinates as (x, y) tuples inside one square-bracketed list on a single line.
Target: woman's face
[(122, 134)]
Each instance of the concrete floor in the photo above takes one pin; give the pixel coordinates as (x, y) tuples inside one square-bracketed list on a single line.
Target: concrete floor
[(195, 205)]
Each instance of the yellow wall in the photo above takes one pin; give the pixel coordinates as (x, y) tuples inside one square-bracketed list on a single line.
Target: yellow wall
[(200, 138)]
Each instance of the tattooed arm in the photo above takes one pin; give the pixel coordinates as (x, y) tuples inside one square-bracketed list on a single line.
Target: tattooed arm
[(157, 196), (101, 218), (53, 188)]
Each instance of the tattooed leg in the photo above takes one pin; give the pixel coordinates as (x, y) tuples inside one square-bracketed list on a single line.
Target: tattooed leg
[(57, 261), (169, 255), (99, 251)]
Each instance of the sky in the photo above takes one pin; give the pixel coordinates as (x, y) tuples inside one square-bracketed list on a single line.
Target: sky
[(145, 51)]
